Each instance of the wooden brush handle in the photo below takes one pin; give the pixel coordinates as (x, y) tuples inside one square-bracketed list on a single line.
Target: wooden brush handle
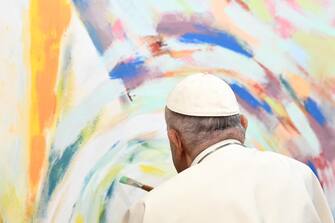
[(147, 188)]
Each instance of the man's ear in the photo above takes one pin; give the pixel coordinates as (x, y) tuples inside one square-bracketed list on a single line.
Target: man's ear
[(179, 155), (244, 121), (175, 141)]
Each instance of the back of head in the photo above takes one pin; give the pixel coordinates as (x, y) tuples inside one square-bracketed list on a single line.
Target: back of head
[(204, 131), (202, 110)]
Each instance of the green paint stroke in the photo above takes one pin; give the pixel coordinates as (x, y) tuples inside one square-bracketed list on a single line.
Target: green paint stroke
[(59, 166), (289, 88), (259, 8)]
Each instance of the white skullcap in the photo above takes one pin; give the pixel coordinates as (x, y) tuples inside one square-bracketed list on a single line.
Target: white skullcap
[(203, 95)]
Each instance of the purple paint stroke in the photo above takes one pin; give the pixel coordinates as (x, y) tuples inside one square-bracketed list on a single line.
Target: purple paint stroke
[(272, 87), (326, 137), (179, 24)]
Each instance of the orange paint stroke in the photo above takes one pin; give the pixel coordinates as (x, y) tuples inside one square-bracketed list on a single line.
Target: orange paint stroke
[(300, 85), (181, 53), (48, 21)]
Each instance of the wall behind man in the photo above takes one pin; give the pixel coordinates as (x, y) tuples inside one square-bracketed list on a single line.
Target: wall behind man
[(84, 83)]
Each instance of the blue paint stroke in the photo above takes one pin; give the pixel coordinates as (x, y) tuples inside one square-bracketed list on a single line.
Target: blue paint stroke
[(313, 168), (84, 8), (266, 107), (81, 4), (314, 110), (215, 37), (103, 213), (59, 166), (245, 95), (127, 70), (57, 169), (110, 190), (94, 36), (60, 163)]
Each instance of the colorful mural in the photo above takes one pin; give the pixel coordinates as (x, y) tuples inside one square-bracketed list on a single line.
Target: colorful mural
[(83, 85)]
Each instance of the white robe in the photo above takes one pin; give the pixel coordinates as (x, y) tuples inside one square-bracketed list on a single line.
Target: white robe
[(235, 184)]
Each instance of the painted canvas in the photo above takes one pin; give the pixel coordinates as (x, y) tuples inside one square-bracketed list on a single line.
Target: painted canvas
[(83, 85)]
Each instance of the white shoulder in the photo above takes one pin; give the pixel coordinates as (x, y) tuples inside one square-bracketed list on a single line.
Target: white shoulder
[(135, 214), (314, 189)]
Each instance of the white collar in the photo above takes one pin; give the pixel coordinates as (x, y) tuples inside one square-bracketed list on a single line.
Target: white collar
[(212, 148)]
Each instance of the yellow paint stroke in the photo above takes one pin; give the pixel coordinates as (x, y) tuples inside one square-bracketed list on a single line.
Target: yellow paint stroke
[(48, 21), (310, 5), (11, 206), (259, 8), (79, 219), (151, 170), (278, 108), (184, 71), (104, 184), (321, 52), (64, 92)]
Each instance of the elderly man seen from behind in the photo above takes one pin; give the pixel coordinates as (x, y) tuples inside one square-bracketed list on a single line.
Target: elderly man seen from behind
[(221, 180)]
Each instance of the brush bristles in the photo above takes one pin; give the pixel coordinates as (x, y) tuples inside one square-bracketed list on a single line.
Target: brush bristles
[(129, 181)]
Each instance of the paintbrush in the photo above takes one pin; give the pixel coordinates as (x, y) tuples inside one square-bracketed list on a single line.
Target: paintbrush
[(134, 183)]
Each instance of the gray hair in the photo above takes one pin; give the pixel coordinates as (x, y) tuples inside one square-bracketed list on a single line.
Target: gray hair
[(199, 129)]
